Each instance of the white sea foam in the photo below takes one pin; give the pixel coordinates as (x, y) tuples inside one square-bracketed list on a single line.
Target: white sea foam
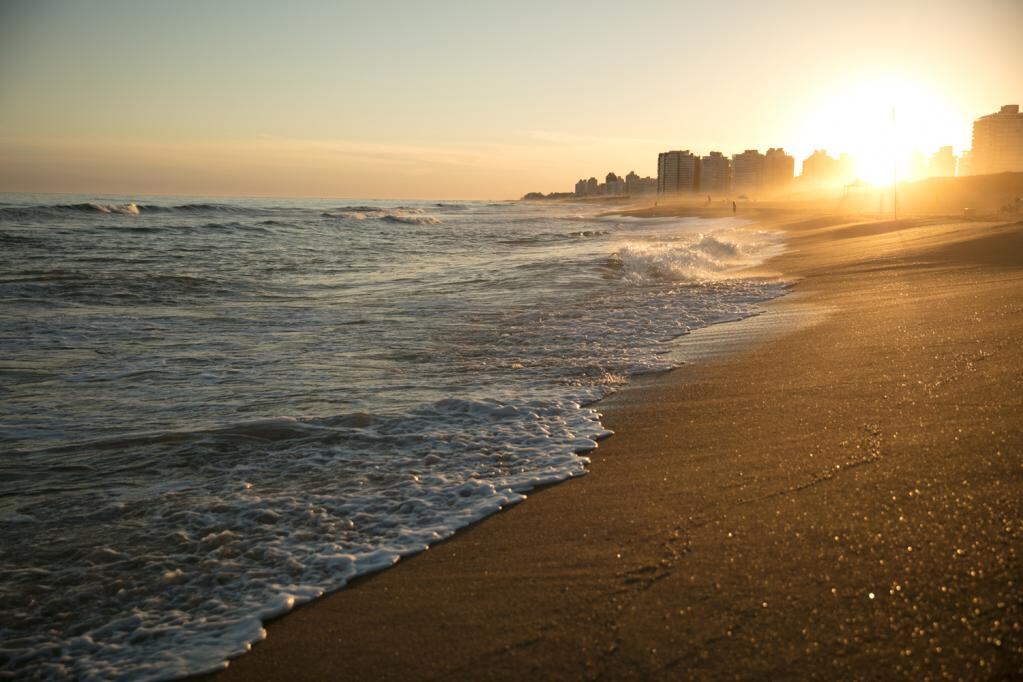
[(696, 256), (253, 538), (444, 370), (406, 215), (124, 209), (349, 215), (411, 219)]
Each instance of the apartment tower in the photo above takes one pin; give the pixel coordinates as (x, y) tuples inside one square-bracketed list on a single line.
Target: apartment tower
[(716, 174), (677, 172), (998, 142), (747, 171)]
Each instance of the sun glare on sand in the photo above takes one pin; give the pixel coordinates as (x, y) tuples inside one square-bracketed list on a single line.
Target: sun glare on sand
[(882, 122)]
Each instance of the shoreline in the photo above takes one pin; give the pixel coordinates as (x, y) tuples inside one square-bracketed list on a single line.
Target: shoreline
[(629, 571)]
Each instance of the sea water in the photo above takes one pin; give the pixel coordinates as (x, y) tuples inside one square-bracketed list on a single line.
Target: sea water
[(215, 410)]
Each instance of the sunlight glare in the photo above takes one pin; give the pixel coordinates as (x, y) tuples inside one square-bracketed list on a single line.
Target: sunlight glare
[(883, 121)]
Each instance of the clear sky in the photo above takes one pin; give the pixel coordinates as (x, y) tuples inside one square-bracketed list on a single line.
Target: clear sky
[(472, 99)]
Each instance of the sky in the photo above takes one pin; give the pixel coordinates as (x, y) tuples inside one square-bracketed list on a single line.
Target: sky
[(474, 99)]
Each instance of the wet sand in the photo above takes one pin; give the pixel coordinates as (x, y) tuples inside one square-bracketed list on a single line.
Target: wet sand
[(840, 495)]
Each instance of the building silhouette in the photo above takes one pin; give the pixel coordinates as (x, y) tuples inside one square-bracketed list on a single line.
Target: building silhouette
[(965, 165), (747, 171), (635, 185), (677, 172), (716, 174), (819, 169), (779, 170), (942, 163), (587, 188), (614, 185), (998, 142)]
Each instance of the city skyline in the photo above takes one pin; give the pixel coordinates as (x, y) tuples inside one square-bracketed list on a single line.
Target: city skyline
[(199, 99), (997, 146)]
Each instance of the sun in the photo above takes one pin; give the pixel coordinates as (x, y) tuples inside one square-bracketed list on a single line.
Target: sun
[(884, 122)]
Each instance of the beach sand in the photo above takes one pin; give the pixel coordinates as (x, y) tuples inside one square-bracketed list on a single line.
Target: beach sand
[(840, 495)]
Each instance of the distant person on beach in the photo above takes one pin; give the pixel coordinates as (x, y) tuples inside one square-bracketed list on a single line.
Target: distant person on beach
[(733, 208), (708, 200)]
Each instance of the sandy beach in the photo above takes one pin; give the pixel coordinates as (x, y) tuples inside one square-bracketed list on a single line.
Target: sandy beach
[(838, 496)]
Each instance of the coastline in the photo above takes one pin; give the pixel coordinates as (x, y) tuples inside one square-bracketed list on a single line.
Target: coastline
[(820, 502)]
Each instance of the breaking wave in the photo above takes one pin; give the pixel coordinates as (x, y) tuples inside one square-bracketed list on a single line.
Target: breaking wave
[(696, 257), (407, 215), (241, 405), (129, 208), (411, 219), (197, 570), (89, 207)]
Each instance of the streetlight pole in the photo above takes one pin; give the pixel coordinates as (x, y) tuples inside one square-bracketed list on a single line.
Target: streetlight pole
[(895, 168)]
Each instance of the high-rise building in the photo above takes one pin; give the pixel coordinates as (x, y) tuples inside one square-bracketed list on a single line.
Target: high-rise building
[(715, 174), (779, 170), (677, 172), (819, 169), (965, 166), (592, 187), (942, 163), (632, 183), (580, 188), (614, 185), (998, 142), (667, 171), (747, 171), (635, 185)]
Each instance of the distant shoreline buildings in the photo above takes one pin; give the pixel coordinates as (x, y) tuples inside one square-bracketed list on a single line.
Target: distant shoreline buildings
[(997, 142), (821, 170), (614, 185), (997, 146), (680, 172)]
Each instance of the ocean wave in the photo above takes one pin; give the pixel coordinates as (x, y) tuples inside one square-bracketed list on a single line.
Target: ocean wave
[(203, 207), (360, 208), (124, 287), (245, 539), (400, 214), (411, 219), (130, 208), (442, 387), (693, 257), (347, 215), (543, 238), (90, 207)]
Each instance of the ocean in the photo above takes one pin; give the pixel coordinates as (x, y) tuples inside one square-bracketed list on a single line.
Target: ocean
[(214, 410)]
